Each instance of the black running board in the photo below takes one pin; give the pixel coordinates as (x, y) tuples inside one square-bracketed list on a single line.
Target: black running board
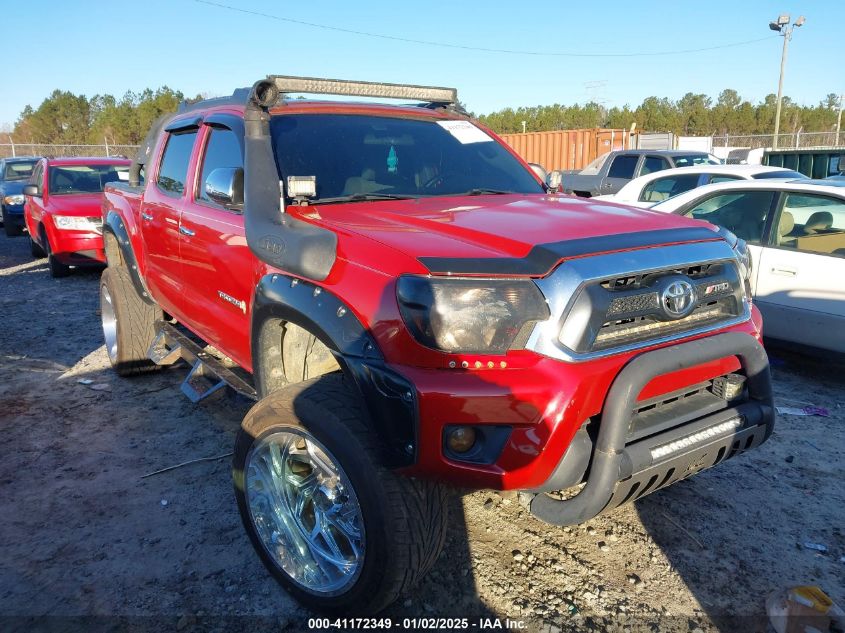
[(207, 376)]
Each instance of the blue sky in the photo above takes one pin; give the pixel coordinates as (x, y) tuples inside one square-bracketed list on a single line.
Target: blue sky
[(110, 47)]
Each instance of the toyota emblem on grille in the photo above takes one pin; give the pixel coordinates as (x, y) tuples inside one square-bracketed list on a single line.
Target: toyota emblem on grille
[(677, 298)]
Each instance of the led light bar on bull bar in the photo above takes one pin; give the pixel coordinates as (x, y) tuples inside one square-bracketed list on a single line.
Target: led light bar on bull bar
[(677, 446), (314, 85)]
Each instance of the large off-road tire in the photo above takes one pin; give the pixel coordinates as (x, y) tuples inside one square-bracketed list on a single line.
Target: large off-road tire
[(12, 229), (57, 268), (305, 458), (128, 323)]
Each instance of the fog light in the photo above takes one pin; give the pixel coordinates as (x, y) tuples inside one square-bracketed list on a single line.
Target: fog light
[(729, 387), (461, 439)]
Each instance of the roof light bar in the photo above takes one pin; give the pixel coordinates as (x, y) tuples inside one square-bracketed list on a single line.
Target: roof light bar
[(314, 85)]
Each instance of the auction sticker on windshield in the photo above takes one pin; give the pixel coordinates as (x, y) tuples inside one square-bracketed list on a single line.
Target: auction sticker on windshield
[(464, 131)]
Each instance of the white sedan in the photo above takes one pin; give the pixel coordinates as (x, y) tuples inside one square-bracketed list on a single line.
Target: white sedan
[(658, 186), (796, 234)]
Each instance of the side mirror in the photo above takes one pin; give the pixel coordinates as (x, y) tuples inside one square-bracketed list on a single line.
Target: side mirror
[(225, 186), (32, 190), (554, 181)]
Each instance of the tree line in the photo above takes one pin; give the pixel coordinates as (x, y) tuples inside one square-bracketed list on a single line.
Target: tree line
[(691, 115), (67, 118), (70, 119)]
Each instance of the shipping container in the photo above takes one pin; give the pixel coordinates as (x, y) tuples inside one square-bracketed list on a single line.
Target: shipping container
[(567, 149), (813, 163)]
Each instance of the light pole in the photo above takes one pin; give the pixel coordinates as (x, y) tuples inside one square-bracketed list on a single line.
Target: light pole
[(783, 27), (839, 121)]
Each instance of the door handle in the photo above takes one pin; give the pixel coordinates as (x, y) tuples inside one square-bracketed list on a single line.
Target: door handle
[(146, 216), (786, 272), (608, 185), (186, 231)]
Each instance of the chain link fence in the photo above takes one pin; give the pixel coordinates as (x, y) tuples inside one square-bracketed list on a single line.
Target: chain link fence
[(784, 141), (15, 149)]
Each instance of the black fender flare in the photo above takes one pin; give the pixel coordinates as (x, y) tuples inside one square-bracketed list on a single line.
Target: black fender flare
[(390, 399), (117, 228)]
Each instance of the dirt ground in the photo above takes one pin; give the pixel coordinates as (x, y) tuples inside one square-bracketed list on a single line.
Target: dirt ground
[(88, 543)]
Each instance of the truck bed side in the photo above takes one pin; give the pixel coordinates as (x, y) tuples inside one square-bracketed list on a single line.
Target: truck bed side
[(125, 201)]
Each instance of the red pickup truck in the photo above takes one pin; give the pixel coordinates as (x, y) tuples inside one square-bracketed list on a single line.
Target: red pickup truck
[(411, 307), (62, 209)]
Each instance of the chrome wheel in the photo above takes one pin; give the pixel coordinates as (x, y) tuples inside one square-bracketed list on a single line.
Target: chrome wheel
[(305, 512), (109, 319)]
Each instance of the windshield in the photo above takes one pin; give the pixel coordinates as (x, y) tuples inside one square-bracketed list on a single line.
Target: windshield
[(355, 157), (18, 170), (68, 179), (696, 159)]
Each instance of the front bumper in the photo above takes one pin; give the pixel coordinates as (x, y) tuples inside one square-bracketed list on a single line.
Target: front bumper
[(77, 248), (621, 471), (546, 406)]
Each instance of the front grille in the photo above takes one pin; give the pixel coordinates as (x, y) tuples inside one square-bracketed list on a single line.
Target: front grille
[(634, 303), (627, 310), (622, 301)]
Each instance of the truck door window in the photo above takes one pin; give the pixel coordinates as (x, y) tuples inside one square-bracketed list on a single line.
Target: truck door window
[(221, 150), (623, 166), (652, 164), (743, 213), (173, 170)]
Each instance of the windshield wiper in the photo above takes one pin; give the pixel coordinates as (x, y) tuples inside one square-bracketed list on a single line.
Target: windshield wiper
[(358, 197), (483, 191)]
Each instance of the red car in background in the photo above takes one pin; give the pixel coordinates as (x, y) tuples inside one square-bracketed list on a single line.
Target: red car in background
[(62, 209)]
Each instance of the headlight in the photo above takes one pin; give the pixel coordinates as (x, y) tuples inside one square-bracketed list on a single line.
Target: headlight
[(743, 256), (746, 265), (488, 316), (740, 247), (76, 223), (13, 200)]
